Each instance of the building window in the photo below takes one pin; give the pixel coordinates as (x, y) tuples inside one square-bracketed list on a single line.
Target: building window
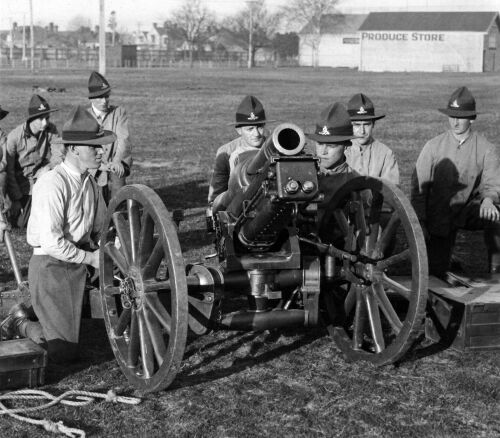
[(350, 40), (492, 40)]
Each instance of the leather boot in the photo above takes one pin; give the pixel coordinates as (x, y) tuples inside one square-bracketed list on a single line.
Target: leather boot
[(18, 314)]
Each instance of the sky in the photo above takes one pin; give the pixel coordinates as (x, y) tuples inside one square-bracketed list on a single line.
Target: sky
[(134, 14)]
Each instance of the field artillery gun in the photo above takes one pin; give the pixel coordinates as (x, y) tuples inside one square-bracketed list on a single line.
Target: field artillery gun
[(300, 258)]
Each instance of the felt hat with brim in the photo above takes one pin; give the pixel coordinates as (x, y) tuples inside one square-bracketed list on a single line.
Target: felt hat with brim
[(39, 107), (98, 85), (461, 104), (333, 125), (3, 113), (250, 112), (360, 107), (82, 129)]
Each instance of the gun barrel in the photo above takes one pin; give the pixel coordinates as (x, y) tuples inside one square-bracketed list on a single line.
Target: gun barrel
[(287, 139)]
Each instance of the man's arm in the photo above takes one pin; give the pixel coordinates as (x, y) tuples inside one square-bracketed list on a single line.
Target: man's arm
[(490, 185), (220, 176), (121, 161), (390, 169)]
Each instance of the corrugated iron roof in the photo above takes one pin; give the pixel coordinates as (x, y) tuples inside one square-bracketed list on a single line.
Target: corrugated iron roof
[(337, 23), (430, 21)]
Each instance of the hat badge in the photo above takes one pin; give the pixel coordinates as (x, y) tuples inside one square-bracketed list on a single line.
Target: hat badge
[(454, 104), (41, 107), (103, 85), (252, 116), (324, 131), (361, 110)]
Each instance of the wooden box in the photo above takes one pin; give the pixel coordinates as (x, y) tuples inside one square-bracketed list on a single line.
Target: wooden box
[(22, 364), (465, 317)]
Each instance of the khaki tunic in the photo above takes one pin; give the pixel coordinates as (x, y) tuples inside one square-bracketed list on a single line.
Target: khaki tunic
[(26, 154), (449, 175), (374, 159)]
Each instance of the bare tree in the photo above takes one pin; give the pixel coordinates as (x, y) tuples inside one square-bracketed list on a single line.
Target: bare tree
[(77, 22), (193, 20), (255, 18), (308, 13)]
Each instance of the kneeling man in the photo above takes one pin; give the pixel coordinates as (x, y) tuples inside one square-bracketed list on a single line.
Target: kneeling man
[(63, 229)]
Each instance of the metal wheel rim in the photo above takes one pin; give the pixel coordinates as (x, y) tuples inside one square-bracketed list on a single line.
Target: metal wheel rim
[(412, 323), (147, 323)]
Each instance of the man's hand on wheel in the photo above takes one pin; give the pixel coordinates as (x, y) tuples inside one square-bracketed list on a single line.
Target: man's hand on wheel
[(117, 168)]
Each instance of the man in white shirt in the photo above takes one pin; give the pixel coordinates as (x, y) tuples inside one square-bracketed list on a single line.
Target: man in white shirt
[(63, 229), (367, 155)]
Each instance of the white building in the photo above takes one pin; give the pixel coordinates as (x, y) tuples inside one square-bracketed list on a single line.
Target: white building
[(337, 45), (430, 41)]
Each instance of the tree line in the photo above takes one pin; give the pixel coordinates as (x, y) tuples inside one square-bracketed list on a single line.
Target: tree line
[(254, 27)]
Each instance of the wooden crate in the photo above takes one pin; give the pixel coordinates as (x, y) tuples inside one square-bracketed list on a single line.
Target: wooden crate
[(22, 364), (465, 317)]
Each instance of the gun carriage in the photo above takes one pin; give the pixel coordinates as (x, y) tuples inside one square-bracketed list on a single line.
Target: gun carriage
[(302, 259)]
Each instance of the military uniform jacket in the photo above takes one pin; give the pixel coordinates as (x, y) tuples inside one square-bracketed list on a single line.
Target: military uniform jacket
[(26, 154), (374, 159), (225, 159), (115, 120), (329, 181), (450, 174)]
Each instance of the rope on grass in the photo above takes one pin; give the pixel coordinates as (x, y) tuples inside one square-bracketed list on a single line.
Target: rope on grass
[(70, 398)]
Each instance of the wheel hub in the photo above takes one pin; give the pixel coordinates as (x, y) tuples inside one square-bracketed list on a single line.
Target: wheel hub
[(132, 289)]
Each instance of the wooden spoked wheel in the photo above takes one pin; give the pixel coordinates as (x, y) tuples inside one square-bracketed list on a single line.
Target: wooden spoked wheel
[(143, 288), (373, 313)]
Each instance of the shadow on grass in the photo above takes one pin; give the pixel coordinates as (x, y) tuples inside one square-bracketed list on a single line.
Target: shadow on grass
[(189, 194), (194, 239), (186, 378), (94, 350), (423, 347)]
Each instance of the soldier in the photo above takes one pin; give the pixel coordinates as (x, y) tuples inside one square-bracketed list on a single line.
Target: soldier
[(28, 152), (455, 185), (67, 215), (332, 135), (367, 155), (117, 158), (250, 122)]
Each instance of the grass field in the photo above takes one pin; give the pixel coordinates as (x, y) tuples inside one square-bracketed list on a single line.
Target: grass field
[(295, 383)]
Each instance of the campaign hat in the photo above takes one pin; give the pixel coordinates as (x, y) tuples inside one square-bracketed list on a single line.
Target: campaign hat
[(98, 85), (3, 113), (82, 128), (250, 112), (333, 125), (360, 107), (38, 106), (461, 104)]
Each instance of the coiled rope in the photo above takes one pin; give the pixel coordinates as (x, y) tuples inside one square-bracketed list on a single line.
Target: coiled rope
[(70, 398)]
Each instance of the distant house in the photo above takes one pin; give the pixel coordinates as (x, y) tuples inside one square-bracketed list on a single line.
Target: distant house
[(430, 41), (228, 46), (338, 44)]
